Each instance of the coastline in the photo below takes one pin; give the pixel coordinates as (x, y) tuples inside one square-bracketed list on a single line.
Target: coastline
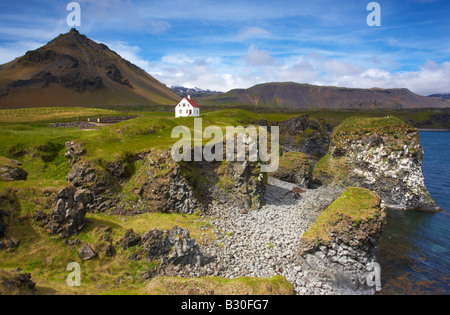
[(433, 130)]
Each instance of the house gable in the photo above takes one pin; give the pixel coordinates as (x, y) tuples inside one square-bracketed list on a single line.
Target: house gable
[(187, 107)]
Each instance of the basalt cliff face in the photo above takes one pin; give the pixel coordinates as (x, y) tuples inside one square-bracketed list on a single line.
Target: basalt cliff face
[(380, 154)]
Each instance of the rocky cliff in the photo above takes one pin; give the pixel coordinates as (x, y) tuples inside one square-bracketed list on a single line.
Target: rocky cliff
[(341, 246), (157, 183), (380, 154), (305, 134)]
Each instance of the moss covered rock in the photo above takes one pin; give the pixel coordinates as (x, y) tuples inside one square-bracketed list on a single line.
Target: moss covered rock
[(341, 245), (380, 154), (295, 168), (305, 134)]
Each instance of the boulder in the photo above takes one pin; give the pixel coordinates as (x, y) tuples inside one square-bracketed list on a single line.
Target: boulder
[(11, 170), (295, 168), (86, 252), (380, 154)]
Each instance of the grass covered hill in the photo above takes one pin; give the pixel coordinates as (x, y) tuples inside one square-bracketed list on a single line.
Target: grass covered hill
[(73, 70)]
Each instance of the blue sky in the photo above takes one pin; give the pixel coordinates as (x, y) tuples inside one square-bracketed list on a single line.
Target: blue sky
[(221, 45)]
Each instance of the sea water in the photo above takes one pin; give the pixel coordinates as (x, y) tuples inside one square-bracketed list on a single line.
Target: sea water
[(415, 245)]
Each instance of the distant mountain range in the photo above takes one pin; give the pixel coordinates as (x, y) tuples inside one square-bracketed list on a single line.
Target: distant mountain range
[(444, 96), (73, 70), (310, 97), (194, 92)]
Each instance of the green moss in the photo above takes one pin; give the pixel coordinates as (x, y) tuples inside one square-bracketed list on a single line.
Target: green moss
[(355, 205)]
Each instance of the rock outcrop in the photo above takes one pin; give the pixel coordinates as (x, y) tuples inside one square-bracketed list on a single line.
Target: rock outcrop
[(16, 282), (380, 154), (169, 247), (69, 215), (307, 135), (8, 207), (11, 170), (341, 247), (295, 168)]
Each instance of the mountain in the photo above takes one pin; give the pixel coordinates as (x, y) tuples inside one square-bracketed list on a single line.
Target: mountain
[(444, 96), (73, 70), (194, 92), (309, 97)]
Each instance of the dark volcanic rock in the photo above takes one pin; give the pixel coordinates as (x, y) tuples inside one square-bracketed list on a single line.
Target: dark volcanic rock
[(3, 213), (69, 216), (86, 252), (10, 170), (307, 135), (16, 283), (162, 185), (130, 239), (170, 247)]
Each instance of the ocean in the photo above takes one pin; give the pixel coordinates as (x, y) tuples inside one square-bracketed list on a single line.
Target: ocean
[(415, 245)]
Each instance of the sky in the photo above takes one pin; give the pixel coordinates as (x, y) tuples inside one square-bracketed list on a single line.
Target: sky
[(228, 44)]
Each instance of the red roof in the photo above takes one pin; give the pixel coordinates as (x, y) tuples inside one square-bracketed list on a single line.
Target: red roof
[(191, 101)]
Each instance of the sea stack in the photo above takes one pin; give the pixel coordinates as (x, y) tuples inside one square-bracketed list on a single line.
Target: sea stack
[(380, 154)]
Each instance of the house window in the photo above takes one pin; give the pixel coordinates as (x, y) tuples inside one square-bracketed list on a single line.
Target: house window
[(181, 111)]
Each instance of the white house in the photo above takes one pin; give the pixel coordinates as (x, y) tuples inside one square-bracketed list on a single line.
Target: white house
[(187, 107)]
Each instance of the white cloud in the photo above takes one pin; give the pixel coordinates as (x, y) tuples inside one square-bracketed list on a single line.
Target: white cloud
[(256, 57), (253, 32), (260, 67)]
